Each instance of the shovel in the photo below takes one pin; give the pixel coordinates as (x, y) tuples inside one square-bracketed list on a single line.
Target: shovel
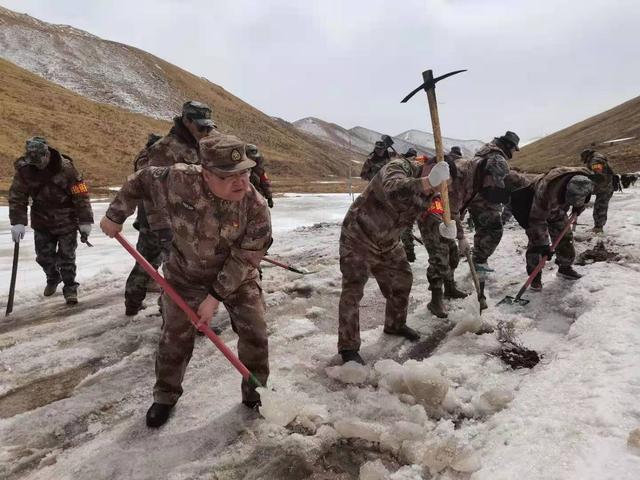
[(522, 301), (285, 266)]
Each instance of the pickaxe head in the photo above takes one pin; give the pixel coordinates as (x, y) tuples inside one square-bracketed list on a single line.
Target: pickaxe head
[(429, 82)]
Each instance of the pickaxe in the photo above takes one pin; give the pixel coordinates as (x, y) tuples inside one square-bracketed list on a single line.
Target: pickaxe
[(429, 86)]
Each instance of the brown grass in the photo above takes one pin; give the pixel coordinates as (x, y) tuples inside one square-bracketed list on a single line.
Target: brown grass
[(564, 147)]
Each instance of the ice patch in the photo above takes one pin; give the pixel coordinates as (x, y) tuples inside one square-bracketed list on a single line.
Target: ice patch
[(358, 429), (296, 328), (280, 408), (374, 471), (350, 372)]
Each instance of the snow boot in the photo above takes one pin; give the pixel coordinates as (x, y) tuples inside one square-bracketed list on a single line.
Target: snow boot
[(597, 230), (132, 310), (436, 306), (451, 291), (536, 284), (70, 293), (158, 414), (252, 404), (567, 271), (481, 298), (404, 331), (51, 288), (351, 356)]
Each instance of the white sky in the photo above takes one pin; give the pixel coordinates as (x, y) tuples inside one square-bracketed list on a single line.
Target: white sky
[(535, 66)]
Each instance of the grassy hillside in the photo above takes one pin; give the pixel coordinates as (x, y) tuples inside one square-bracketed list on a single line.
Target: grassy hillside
[(564, 147)]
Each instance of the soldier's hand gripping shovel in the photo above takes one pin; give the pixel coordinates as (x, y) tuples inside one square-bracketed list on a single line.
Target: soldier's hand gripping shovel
[(193, 317), (14, 274), (518, 298)]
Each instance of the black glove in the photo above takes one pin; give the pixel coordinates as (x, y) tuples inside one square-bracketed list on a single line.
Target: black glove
[(270, 202), (544, 250), (165, 235), (578, 210)]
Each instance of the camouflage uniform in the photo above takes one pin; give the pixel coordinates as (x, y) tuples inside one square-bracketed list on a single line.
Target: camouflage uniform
[(373, 164), (260, 180), (216, 249), (548, 216), (178, 146), (60, 203), (603, 190), (513, 181), (370, 244)]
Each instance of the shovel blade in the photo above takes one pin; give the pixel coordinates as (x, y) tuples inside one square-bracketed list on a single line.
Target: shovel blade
[(509, 300)]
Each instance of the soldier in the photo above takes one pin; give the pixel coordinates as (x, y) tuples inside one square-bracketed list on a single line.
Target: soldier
[(455, 153), (543, 213), (221, 230), (180, 145), (489, 194), (443, 252), (604, 185), (259, 178), (60, 207), (375, 161), (512, 182), (370, 244)]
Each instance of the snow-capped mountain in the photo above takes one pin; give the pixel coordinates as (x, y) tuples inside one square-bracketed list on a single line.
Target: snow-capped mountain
[(418, 137)]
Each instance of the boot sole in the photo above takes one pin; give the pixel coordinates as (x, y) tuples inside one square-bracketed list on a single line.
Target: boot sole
[(437, 314)]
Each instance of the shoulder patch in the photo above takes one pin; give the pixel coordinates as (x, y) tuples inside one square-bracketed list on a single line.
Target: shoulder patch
[(79, 188), (159, 172)]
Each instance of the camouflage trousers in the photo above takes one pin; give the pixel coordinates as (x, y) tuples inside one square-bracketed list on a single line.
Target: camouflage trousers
[(149, 247), (393, 274), (443, 252), (246, 309), (408, 243), (56, 254), (488, 224), (601, 208), (565, 251)]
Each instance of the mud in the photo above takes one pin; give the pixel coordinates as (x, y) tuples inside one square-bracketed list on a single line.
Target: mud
[(599, 253), (517, 356)]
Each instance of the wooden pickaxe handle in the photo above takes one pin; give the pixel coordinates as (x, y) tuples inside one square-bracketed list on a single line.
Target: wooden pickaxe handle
[(437, 137)]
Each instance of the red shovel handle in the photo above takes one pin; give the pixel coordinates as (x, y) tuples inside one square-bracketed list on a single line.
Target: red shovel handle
[(175, 296)]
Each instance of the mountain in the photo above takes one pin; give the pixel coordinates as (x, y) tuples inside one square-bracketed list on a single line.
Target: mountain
[(361, 139), (126, 77), (564, 147)]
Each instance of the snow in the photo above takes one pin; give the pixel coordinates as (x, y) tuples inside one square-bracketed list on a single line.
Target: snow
[(75, 382)]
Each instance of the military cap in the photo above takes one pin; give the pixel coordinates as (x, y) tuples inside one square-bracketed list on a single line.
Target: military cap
[(456, 151), (36, 148), (411, 153), (380, 144), (224, 154), (199, 113), (578, 189), (511, 138), (498, 168)]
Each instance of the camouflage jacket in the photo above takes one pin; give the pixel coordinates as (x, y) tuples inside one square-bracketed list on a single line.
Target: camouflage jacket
[(60, 198), (178, 146), (391, 203), (372, 165), (549, 199), (604, 174), (260, 180), (216, 243)]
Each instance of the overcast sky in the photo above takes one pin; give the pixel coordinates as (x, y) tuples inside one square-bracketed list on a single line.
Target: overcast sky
[(535, 66)]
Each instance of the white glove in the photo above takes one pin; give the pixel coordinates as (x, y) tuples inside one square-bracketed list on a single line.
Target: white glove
[(17, 232), (448, 230), (463, 247), (85, 228), (439, 173)]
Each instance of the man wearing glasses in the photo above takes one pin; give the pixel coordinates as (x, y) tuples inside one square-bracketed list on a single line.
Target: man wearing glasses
[(221, 230)]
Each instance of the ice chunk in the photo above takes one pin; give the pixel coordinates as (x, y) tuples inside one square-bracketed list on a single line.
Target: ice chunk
[(633, 442), (468, 319), (408, 472), (440, 454), (280, 408), (296, 328), (374, 471), (389, 442), (350, 372), (425, 383), (492, 400), (391, 376), (358, 429), (408, 431), (466, 461), (317, 413), (315, 312)]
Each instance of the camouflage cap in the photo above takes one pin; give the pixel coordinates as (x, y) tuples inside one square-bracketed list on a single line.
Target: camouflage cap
[(199, 113), (36, 148), (498, 168), (456, 151), (411, 152), (511, 138), (578, 189), (224, 154)]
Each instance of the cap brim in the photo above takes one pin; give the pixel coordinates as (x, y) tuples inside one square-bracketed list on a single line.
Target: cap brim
[(205, 122), (245, 164)]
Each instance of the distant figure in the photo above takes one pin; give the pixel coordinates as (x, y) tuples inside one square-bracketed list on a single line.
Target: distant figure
[(259, 178), (455, 153), (375, 161), (60, 207), (180, 145), (603, 178)]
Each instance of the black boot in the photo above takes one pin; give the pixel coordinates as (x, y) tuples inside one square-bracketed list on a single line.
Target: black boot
[(351, 356), (51, 288), (158, 414), (568, 272), (404, 331), (132, 310), (252, 404), (70, 293), (451, 291), (481, 298), (536, 284), (436, 306)]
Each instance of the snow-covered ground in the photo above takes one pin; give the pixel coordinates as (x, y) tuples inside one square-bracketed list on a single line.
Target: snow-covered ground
[(75, 382)]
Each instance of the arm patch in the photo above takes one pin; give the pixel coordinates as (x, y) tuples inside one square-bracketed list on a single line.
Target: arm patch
[(79, 188)]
